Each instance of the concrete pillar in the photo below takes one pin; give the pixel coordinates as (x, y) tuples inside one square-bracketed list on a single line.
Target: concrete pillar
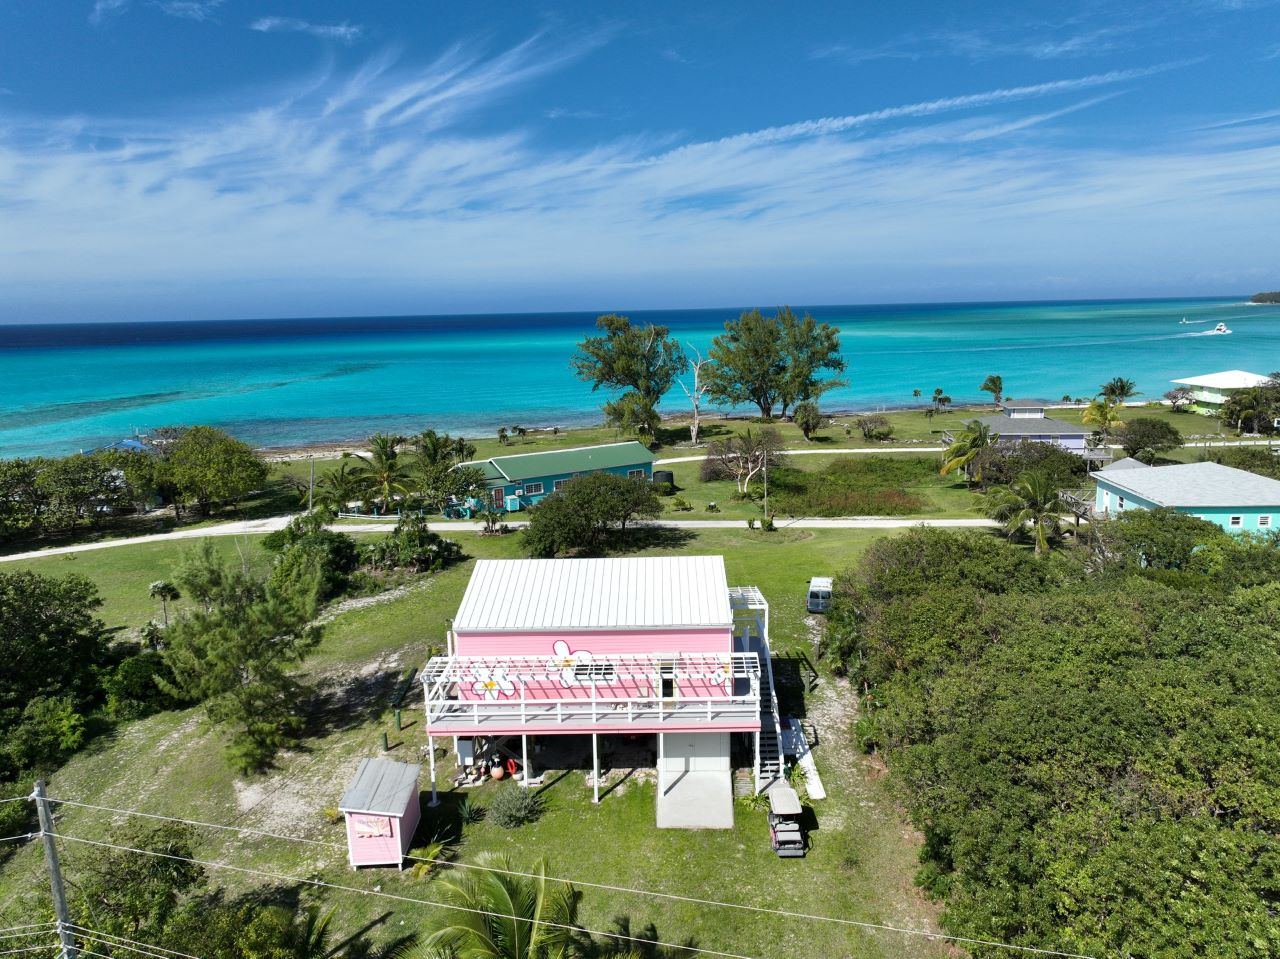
[(524, 755), (595, 767), (431, 759)]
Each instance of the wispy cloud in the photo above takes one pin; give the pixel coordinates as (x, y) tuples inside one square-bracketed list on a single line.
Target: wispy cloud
[(104, 10), (978, 45), (342, 32), (359, 185), (198, 10), (832, 125), (561, 113)]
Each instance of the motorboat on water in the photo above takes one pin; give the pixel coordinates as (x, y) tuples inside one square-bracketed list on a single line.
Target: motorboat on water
[(1221, 328)]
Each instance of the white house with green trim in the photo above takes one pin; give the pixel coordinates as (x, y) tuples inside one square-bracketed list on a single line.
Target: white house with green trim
[(1237, 500), (1211, 390), (520, 480)]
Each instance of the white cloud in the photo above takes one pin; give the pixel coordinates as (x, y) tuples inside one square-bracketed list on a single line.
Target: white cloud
[(362, 188), (103, 10), (198, 10), (342, 32)]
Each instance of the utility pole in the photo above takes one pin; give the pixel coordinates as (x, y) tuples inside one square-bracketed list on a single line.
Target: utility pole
[(55, 872)]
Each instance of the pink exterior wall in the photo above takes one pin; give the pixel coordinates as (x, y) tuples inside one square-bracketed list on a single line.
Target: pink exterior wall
[(373, 850), (364, 850), (602, 646)]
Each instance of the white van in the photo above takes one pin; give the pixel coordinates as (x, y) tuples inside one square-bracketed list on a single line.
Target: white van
[(819, 594)]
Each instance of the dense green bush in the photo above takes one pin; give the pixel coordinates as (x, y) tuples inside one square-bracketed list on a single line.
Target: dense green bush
[(513, 806), (1252, 458), (1003, 463), (587, 512), (1093, 757), (49, 730), (413, 545), (132, 688)]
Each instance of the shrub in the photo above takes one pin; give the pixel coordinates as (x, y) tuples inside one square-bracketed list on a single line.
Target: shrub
[(874, 426), (1003, 463), (808, 418), (50, 730), (664, 489), (587, 512), (514, 806), (1146, 437), (469, 812), (681, 505), (332, 815), (132, 690), (413, 545)]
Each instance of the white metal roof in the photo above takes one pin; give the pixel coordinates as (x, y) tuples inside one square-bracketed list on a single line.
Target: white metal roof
[(1197, 484), (545, 595), (1226, 380)]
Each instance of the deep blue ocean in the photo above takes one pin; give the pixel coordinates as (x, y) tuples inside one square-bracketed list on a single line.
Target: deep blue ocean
[(284, 382)]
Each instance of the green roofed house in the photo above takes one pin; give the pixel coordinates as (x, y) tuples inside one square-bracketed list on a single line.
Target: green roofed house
[(522, 479)]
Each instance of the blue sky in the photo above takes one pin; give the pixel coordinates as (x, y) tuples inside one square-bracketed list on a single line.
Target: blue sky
[(199, 159)]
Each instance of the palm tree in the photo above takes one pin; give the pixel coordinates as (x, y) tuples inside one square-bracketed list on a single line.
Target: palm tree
[(994, 385), (497, 915), (1034, 500), (1103, 414), (166, 592), (311, 938), (337, 487), (1120, 389), (432, 448), (1247, 407), (381, 474), (965, 448)]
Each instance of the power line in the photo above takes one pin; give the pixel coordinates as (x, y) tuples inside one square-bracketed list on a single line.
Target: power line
[(673, 897), (14, 952), (24, 835), (389, 895), (146, 949), (29, 925)]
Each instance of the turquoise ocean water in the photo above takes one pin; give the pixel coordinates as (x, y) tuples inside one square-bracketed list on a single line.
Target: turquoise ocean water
[(278, 382)]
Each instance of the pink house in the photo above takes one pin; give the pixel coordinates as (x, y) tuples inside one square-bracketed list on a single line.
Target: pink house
[(658, 646), (381, 807)]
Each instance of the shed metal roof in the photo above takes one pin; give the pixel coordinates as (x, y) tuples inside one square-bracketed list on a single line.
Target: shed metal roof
[(1032, 426), (1226, 380), (580, 460), (544, 595), (382, 787), (1198, 484), (1122, 464)]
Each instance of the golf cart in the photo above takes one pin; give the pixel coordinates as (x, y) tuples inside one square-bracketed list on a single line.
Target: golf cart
[(784, 822)]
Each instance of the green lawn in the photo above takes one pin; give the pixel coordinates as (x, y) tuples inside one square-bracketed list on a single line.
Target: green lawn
[(945, 496), (863, 856)]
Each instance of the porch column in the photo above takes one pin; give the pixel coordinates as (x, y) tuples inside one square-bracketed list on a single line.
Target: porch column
[(660, 763), (595, 766), (524, 756), (431, 759)]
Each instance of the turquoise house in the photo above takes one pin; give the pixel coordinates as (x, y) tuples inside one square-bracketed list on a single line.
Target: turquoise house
[(521, 480), (1237, 500)]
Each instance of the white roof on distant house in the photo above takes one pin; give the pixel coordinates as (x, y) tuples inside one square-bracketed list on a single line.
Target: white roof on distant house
[(1124, 463), (1198, 484), (547, 595), (1226, 380)]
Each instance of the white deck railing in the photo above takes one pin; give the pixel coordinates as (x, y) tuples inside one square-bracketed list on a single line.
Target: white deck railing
[(727, 690)]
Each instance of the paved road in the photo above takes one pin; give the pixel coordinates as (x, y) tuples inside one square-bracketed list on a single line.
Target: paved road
[(817, 452), (259, 526)]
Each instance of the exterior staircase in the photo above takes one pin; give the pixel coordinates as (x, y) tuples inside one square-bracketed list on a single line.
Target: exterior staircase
[(769, 749)]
